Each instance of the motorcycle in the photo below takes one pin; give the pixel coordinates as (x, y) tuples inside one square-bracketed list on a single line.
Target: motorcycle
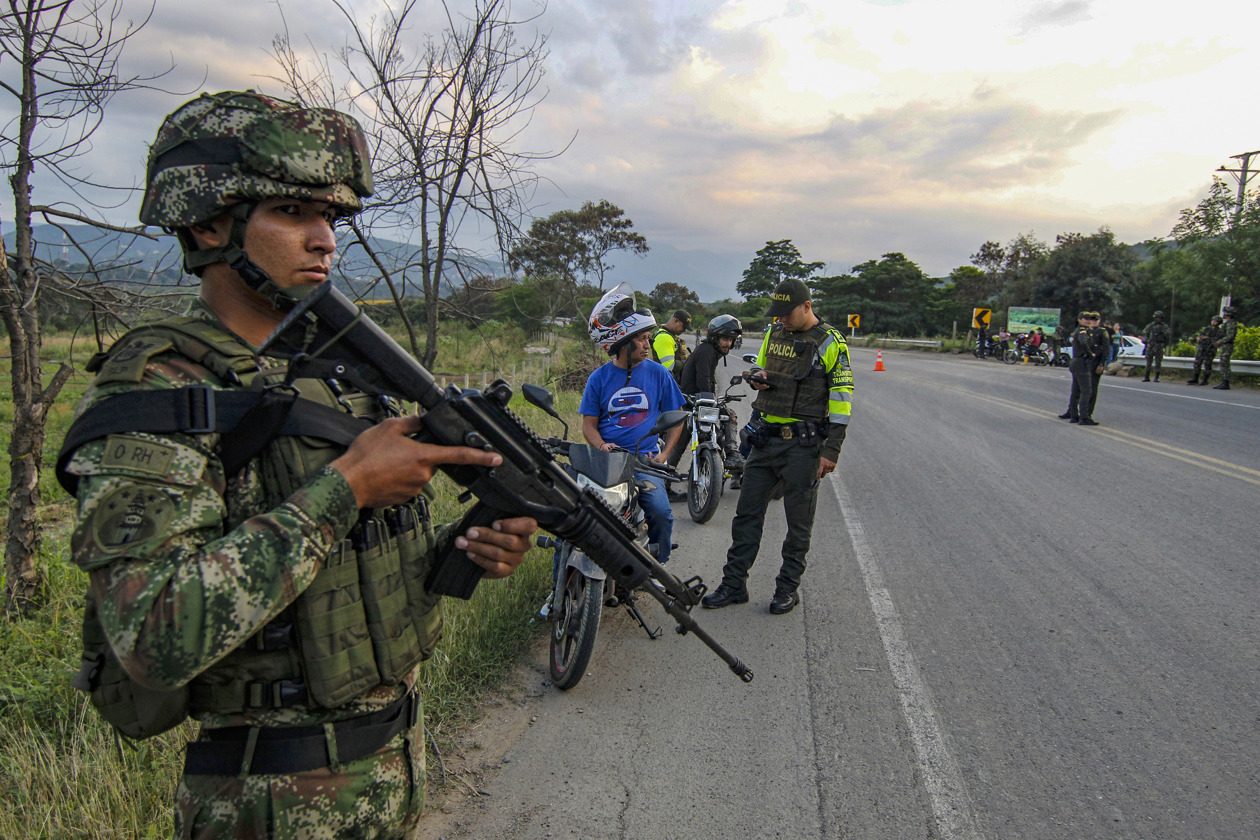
[(706, 480), (581, 589)]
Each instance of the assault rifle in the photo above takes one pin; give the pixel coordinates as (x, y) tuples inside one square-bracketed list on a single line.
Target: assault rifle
[(326, 335)]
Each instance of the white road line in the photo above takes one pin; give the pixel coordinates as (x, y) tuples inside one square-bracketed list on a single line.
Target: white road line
[(951, 806)]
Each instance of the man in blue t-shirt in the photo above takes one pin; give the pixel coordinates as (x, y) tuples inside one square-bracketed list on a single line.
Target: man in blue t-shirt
[(624, 397)]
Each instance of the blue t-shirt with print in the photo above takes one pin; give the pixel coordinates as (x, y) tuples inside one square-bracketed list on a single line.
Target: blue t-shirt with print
[(626, 410)]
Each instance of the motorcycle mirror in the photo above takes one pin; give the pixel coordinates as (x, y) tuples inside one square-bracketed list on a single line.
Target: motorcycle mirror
[(735, 380), (667, 420), (751, 358), (541, 397)]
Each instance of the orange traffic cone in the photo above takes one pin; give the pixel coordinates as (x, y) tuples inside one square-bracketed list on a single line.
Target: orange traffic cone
[(879, 360)]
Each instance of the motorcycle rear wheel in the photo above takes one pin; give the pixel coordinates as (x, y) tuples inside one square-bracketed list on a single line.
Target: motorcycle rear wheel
[(704, 486), (573, 634)]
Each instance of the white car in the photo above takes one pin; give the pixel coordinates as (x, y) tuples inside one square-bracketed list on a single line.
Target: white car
[(1130, 345)]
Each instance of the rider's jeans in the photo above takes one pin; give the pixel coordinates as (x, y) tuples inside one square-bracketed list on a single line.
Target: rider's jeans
[(660, 519)]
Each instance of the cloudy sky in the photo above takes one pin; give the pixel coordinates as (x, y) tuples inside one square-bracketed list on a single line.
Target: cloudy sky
[(852, 127)]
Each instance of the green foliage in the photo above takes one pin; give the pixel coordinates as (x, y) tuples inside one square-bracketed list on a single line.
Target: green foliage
[(667, 297), (773, 264), (1084, 272), (890, 294), (574, 244), (1247, 343), (1182, 348)]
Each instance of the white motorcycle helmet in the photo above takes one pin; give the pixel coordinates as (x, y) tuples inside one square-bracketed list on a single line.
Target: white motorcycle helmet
[(615, 320)]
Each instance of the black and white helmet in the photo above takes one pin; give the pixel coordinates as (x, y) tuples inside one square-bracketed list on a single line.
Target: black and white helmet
[(725, 326), (615, 319)]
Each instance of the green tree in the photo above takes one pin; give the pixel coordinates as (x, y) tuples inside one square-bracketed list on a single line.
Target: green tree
[(891, 294), (574, 244), (1223, 240), (772, 265), (1011, 270), (1085, 272), (667, 297)]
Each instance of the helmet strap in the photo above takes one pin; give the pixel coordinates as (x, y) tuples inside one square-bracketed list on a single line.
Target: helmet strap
[(233, 253)]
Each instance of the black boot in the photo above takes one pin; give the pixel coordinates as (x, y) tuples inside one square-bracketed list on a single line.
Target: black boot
[(1194, 380), (1224, 386)]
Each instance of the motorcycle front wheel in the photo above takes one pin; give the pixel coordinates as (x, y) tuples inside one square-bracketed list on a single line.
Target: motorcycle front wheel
[(704, 485), (1010, 356), (573, 634)]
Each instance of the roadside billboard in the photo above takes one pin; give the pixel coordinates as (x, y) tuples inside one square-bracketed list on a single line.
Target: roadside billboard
[(1022, 319)]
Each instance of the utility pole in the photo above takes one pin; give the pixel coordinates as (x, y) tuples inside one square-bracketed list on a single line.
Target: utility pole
[(1241, 176)]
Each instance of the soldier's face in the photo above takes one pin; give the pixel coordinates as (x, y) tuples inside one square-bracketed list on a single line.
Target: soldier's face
[(292, 240)]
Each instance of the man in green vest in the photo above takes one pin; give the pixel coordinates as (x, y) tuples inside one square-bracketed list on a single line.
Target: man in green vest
[(805, 388), (667, 346), (280, 601)]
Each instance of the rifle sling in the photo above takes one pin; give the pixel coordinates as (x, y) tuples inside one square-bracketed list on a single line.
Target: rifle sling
[(199, 409)]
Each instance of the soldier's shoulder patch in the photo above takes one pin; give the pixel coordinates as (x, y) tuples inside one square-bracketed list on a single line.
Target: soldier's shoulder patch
[(140, 456), (130, 515), (127, 362)]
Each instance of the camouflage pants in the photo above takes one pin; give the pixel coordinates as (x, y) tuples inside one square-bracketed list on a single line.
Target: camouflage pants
[(1227, 353), (379, 796), (1156, 355), (1203, 361)]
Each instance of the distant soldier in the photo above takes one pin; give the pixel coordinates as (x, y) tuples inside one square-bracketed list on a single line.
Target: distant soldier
[(1225, 344), (1157, 337), (1205, 351)]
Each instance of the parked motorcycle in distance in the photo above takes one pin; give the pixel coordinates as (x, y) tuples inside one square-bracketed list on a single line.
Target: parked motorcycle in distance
[(581, 589), (707, 476)]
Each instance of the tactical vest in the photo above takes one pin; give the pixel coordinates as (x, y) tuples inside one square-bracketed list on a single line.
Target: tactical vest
[(365, 620), (680, 353), (799, 386)]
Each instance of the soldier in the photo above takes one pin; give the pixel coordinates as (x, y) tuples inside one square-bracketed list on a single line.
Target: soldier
[(805, 385), (1157, 336), (1225, 344), (275, 594), (1089, 353), (1205, 350)]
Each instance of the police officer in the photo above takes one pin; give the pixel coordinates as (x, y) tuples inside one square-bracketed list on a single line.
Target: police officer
[(1225, 346), (1205, 351), (668, 347), (279, 601), (1090, 348), (805, 386), (1157, 336)]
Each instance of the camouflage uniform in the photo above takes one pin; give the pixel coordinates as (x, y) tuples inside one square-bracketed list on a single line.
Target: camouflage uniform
[(190, 568), (1205, 351), (1157, 336), (1229, 331)]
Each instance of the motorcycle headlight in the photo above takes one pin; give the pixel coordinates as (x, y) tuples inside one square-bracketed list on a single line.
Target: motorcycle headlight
[(616, 496), (707, 414)]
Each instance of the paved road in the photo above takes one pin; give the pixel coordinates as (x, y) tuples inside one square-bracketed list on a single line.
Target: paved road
[(1012, 627)]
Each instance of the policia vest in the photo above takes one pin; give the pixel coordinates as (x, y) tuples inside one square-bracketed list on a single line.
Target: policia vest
[(800, 388), (680, 353), (365, 620)]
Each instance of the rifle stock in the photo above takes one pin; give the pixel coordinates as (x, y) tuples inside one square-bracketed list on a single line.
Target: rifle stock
[(325, 332)]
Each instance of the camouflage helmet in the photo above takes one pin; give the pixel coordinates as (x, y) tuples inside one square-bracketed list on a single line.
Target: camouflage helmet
[(1229, 310), (1159, 315), (220, 149)]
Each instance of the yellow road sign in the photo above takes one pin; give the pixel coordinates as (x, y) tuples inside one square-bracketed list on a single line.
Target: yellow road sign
[(855, 321), (980, 318)]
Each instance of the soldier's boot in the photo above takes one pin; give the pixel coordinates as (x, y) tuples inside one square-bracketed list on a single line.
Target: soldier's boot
[(1147, 378), (1206, 376), (1193, 380), (1224, 386)]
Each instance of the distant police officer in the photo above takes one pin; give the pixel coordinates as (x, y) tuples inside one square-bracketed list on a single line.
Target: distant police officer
[(1205, 351), (1090, 349), (1157, 337), (805, 386), (274, 588), (668, 347), (1225, 346)]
